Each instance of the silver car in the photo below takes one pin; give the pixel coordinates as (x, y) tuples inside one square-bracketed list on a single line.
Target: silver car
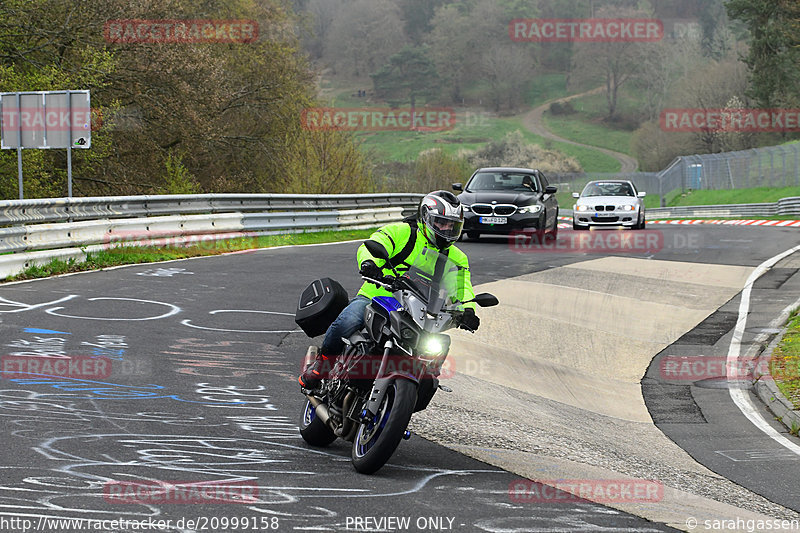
[(609, 203)]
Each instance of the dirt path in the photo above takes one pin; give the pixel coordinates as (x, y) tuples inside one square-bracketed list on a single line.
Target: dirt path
[(533, 121)]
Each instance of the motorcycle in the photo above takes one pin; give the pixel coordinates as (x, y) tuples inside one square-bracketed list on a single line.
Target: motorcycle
[(390, 368)]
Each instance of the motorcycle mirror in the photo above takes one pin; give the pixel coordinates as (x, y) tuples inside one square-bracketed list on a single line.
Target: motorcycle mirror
[(485, 299), (376, 250)]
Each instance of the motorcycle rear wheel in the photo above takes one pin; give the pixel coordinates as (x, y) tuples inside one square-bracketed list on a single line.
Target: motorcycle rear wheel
[(376, 441), (313, 430)]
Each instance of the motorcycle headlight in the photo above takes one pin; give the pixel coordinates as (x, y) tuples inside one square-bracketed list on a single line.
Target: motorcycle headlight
[(432, 347), (529, 209)]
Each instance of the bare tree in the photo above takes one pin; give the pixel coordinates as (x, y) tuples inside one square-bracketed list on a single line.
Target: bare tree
[(363, 35), (507, 70), (483, 52), (716, 86), (616, 63), (660, 68), (450, 49), (321, 13)]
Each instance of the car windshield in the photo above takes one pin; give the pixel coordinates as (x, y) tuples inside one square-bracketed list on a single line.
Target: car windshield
[(503, 181), (608, 188)]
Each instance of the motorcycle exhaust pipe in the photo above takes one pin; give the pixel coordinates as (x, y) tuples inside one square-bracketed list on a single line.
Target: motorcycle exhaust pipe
[(320, 408), (346, 422)]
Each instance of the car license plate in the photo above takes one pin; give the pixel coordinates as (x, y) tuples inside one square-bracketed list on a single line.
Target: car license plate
[(601, 215), (493, 220)]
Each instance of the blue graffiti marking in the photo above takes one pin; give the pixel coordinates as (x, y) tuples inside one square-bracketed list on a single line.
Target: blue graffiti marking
[(45, 331)]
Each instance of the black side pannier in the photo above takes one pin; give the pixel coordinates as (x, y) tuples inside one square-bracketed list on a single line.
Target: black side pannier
[(319, 305)]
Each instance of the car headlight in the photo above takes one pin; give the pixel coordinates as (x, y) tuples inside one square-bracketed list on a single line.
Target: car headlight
[(627, 208), (582, 208), (466, 208), (529, 209)]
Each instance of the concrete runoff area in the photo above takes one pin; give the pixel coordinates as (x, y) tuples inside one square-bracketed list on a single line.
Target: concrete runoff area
[(549, 387)]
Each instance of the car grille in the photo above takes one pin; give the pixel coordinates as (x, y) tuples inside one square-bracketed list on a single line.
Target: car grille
[(502, 210), (605, 219), (604, 208)]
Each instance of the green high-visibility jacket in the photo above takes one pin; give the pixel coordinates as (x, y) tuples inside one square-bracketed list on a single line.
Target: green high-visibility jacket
[(394, 238)]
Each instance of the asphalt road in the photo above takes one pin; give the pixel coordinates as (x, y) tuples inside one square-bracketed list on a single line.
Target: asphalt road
[(196, 383)]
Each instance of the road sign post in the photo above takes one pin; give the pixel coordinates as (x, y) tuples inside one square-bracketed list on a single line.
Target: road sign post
[(45, 120)]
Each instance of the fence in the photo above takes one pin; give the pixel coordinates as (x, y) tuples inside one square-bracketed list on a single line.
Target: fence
[(772, 166), (37, 231)]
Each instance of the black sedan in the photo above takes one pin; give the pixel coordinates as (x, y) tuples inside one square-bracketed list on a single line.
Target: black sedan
[(502, 200)]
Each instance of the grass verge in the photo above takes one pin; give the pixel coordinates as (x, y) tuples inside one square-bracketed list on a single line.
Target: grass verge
[(547, 87), (576, 128), (127, 255), (785, 362), (473, 132)]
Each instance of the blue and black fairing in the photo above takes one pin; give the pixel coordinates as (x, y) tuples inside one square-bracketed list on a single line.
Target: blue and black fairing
[(376, 316)]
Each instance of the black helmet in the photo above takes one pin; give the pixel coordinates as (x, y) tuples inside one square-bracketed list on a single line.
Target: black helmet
[(441, 218)]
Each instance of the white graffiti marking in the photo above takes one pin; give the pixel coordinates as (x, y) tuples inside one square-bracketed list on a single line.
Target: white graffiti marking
[(21, 307), (164, 272), (188, 322), (173, 310)]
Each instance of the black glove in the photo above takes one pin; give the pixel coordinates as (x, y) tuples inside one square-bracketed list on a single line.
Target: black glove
[(370, 270), (469, 320)]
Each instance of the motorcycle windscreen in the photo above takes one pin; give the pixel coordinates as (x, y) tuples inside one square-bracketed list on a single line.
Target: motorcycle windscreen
[(436, 279)]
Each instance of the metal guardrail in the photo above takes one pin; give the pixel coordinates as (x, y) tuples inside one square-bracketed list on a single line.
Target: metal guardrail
[(783, 207), (72, 209), (37, 231)]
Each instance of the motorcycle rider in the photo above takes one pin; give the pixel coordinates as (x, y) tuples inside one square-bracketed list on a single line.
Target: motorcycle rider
[(438, 224)]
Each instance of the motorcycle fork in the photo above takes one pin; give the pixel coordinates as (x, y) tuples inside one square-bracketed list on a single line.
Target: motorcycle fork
[(381, 385)]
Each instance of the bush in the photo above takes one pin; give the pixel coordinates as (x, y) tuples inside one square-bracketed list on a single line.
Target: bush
[(559, 108), (324, 161), (436, 169), (178, 179), (514, 151)]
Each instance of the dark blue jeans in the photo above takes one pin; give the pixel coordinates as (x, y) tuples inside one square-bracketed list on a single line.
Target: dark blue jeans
[(350, 320)]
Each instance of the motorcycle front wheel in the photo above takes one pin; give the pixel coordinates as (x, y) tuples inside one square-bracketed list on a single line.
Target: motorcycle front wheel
[(376, 441)]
